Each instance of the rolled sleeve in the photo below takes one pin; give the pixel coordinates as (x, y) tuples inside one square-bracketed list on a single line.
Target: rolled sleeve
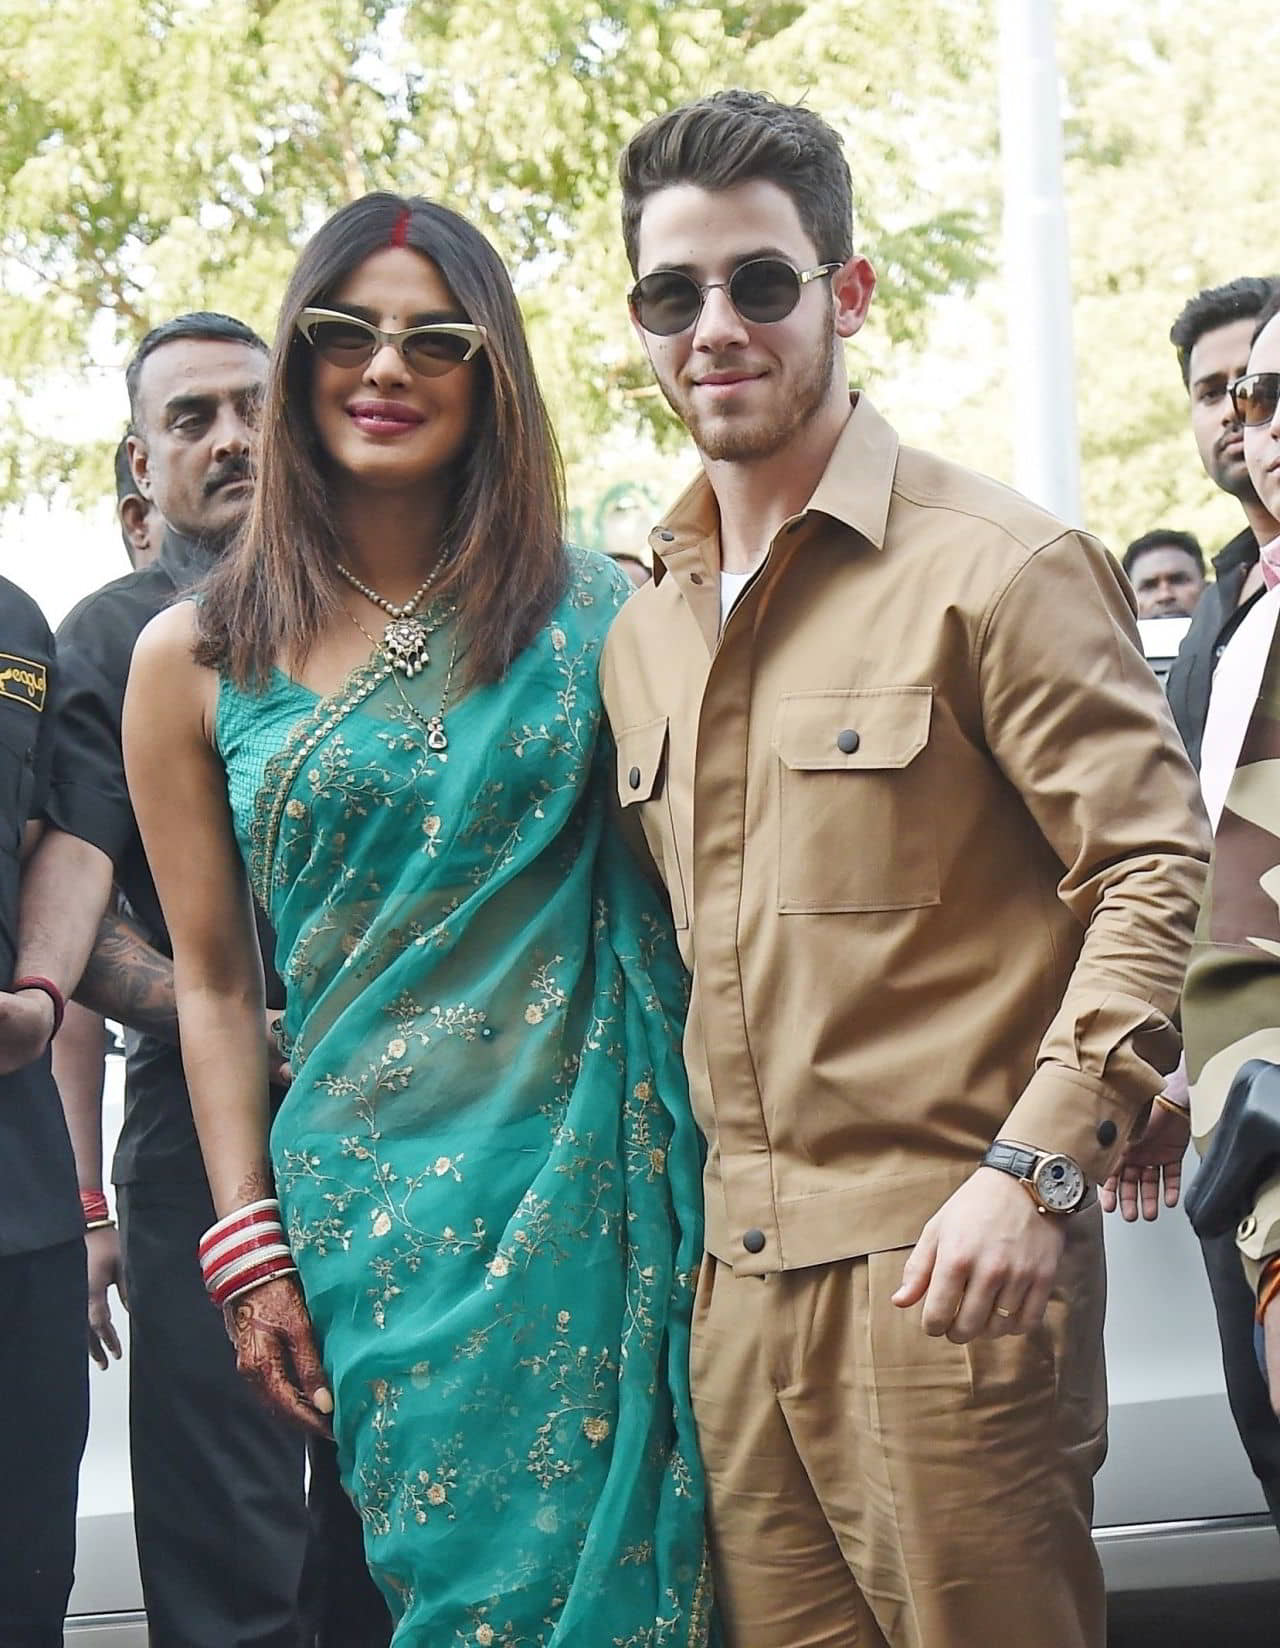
[(1078, 724)]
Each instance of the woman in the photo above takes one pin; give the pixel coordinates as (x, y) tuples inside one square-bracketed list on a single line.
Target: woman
[(382, 715)]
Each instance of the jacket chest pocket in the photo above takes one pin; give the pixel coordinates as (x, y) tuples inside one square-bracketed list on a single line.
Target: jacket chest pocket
[(856, 823), (643, 754)]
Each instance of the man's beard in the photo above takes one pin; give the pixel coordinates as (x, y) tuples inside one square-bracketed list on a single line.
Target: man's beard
[(750, 441)]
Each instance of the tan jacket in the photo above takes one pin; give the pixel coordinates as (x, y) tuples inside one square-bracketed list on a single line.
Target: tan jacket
[(933, 848)]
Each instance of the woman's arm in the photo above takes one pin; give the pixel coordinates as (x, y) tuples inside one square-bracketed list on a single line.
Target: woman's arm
[(179, 794), (178, 789)]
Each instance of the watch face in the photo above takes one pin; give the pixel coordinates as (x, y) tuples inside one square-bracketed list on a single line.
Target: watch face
[(1059, 1183)]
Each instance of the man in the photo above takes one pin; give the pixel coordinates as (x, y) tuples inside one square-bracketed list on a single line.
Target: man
[(217, 1482), (874, 713), (44, 1398), (141, 524), (80, 1046), (1166, 569), (1232, 999), (1211, 337)]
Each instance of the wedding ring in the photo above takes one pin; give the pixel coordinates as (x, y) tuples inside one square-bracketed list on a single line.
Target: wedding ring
[(1001, 1311)]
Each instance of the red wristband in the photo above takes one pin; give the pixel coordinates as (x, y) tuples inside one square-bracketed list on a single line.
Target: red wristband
[(52, 991), (93, 1204)]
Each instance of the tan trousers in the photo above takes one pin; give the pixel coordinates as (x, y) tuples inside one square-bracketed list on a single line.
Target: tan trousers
[(871, 1487)]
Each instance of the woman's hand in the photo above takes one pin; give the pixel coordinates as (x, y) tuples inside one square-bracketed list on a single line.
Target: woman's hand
[(276, 1352)]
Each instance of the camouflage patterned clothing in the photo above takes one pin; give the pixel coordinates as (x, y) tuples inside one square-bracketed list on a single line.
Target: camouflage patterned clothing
[(1231, 1002)]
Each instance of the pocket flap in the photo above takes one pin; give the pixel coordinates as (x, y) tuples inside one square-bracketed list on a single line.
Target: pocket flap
[(640, 752), (859, 728)]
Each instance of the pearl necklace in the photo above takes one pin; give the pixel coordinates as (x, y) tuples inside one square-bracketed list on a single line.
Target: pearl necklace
[(404, 640)]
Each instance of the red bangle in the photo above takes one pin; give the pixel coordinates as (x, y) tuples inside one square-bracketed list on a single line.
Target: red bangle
[(52, 991), (247, 1280), (93, 1204)]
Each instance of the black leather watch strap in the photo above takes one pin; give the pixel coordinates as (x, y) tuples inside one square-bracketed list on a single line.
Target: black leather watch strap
[(1015, 1159)]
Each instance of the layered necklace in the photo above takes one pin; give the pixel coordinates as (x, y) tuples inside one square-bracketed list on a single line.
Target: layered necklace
[(404, 647)]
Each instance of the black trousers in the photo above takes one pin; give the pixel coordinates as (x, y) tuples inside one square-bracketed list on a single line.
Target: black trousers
[(44, 1417), (341, 1605), (218, 1503), (1246, 1388)]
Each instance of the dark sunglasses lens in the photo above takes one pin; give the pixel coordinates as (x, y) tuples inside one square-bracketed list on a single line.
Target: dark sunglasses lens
[(342, 343), (764, 290), (1255, 398), (434, 353), (666, 302)]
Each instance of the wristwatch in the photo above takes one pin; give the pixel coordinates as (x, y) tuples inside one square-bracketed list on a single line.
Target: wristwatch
[(1055, 1183)]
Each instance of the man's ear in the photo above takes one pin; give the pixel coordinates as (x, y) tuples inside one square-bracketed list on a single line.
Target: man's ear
[(138, 464), (852, 286), (133, 512)]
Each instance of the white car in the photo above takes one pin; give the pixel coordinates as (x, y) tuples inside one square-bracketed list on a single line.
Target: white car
[(1177, 1506)]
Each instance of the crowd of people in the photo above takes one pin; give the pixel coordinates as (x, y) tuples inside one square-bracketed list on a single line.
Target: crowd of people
[(624, 1073)]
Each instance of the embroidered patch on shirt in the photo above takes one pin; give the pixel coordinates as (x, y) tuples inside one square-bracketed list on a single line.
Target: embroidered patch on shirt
[(22, 680)]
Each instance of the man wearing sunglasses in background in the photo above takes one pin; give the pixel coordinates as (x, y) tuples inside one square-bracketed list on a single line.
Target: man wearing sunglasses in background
[(1211, 688), (1232, 1002), (219, 1512), (874, 714)]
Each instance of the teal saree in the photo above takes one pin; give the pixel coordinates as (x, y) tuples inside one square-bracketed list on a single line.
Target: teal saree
[(486, 1163)]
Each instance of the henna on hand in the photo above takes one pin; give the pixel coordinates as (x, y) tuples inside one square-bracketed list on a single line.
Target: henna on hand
[(276, 1352)]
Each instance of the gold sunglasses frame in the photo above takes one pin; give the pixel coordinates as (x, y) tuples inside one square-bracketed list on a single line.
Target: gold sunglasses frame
[(475, 336)]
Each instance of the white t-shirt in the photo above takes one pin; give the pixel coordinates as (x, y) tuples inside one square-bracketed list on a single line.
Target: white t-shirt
[(1236, 683), (732, 585)]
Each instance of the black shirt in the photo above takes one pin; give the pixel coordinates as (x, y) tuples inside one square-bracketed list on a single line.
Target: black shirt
[(39, 1205), (95, 647), (1213, 623)]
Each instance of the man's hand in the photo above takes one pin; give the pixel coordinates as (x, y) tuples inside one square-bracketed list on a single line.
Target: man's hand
[(1157, 1151), (985, 1263), (102, 1248), (276, 1352), (26, 1024), (278, 1070)]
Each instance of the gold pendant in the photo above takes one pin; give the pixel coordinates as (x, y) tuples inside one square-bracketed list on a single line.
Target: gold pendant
[(405, 643), (437, 738)]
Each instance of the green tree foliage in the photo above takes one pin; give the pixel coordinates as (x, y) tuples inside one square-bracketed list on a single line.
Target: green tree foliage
[(161, 155)]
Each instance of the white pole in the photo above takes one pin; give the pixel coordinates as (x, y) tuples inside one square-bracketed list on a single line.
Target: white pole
[(1037, 272)]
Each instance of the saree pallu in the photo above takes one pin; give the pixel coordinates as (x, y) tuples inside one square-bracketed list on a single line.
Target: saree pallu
[(486, 1163)]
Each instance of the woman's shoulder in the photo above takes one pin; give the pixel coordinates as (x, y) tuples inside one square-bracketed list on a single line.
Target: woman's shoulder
[(595, 581), (168, 640)]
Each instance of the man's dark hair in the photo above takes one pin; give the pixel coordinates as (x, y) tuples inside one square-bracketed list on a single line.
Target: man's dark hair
[(1214, 307), (202, 324), (737, 137), (1164, 538), (1268, 312), (126, 486)]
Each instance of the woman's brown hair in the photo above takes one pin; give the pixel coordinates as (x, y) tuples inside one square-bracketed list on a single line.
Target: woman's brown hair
[(276, 588)]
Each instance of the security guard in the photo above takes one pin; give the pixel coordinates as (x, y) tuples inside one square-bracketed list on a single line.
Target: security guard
[(44, 1392)]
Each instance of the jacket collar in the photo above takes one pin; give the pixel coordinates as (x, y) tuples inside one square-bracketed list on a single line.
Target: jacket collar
[(855, 489)]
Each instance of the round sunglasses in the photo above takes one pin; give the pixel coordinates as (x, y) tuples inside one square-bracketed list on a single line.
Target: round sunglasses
[(1254, 397), (762, 290), (430, 351)]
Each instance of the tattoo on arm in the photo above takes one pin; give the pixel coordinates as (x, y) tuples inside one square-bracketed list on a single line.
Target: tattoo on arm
[(127, 980)]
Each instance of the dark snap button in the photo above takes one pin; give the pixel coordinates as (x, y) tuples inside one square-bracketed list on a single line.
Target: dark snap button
[(695, 577), (753, 1241), (633, 778), (1106, 1132), (667, 537), (848, 740)]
